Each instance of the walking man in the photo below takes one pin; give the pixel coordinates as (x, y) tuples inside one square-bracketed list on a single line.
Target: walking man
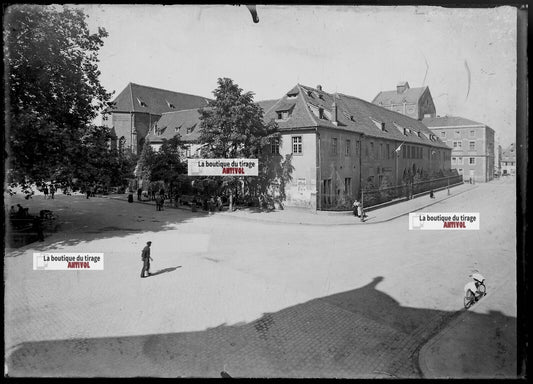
[(145, 256)]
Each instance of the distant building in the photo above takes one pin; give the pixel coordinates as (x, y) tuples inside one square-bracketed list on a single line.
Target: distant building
[(472, 145), (137, 108), (498, 161), (509, 161), (416, 103)]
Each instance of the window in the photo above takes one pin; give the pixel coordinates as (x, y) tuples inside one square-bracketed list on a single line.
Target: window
[(388, 151), (321, 113), (460, 160), (170, 105), (188, 151), (348, 185), (274, 147), (121, 144), (348, 149), (297, 145), (443, 134), (381, 151), (454, 160), (284, 115), (357, 147), (472, 133), (371, 149), (457, 144), (334, 146), (472, 146), (141, 102), (457, 133), (191, 129), (472, 161), (404, 152)]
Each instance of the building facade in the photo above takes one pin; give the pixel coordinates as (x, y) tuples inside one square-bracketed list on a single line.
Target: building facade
[(472, 145), (508, 162), (416, 103), (338, 144), (137, 108)]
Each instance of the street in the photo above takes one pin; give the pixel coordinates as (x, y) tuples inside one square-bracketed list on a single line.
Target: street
[(255, 298)]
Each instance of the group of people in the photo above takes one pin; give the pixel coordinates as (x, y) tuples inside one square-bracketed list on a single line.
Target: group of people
[(358, 209), (52, 190)]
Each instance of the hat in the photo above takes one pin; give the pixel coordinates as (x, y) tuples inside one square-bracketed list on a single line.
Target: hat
[(148, 242)]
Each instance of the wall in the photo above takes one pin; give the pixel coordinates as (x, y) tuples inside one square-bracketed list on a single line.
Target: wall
[(300, 192)]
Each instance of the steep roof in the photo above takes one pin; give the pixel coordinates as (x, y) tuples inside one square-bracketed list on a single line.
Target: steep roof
[(449, 121), (509, 153), (140, 98), (353, 114), (185, 122), (410, 96)]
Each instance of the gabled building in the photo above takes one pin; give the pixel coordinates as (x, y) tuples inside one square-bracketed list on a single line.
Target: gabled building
[(137, 108), (509, 161), (340, 143), (472, 145), (416, 103)]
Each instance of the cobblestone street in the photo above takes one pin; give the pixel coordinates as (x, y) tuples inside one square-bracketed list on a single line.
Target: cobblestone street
[(256, 298)]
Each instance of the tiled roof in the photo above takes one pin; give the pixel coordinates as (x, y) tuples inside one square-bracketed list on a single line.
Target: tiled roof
[(266, 104), (448, 121), (353, 114), (509, 153), (140, 98), (182, 120), (410, 96)]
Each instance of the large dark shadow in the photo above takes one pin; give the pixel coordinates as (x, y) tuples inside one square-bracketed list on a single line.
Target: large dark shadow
[(361, 333), (80, 219)]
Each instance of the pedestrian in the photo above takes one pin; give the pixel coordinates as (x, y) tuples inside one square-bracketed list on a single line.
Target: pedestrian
[(45, 191), (356, 208), (38, 228), (145, 257), (88, 191), (431, 194), (130, 196), (139, 193), (219, 203), (52, 191)]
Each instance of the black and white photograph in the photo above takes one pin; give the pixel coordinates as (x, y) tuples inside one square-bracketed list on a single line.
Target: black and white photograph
[(263, 191)]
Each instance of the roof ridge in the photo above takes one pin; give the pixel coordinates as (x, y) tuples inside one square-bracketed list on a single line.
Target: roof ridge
[(166, 90), (182, 110)]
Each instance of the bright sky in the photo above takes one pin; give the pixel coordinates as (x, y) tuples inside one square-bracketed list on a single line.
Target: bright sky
[(355, 50)]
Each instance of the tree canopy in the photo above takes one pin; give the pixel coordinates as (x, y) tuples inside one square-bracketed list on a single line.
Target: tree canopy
[(232, 126), (53, 93)]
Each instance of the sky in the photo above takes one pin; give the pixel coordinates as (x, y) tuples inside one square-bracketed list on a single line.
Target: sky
[(467, 57)]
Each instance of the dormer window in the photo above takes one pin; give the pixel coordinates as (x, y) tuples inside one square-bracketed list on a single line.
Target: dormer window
[(176, 129), (191, 129), (321, 96), (170, 105), (310, 93), (141, 102), (379, 124), (321, 113)]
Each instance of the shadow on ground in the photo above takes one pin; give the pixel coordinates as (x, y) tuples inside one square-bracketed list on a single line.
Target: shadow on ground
[(80, 219), (361, 333)]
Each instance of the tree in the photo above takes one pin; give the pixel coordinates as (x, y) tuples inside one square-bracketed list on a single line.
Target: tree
[(53, 93), (232, 126)]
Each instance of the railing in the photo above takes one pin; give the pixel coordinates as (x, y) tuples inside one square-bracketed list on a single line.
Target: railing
[(372, 197)]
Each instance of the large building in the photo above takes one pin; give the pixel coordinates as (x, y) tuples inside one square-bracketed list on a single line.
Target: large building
[(416, 103), (338, 143), (508, 162), (472, 145), (137, 108)]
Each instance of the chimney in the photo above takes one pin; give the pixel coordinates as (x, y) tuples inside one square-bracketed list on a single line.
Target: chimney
[(319, 87), (402, 87), (334, 111)]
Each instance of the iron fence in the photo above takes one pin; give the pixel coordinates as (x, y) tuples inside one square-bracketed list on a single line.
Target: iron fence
[(372, 197)]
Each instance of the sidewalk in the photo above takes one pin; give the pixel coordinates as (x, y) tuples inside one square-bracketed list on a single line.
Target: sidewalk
[(305, 216)]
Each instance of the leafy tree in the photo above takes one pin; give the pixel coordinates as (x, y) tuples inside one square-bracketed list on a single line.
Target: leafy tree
[(232, 126), (53, 93), (164, 165)]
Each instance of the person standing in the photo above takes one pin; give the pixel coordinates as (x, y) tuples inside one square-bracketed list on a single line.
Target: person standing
[(145, 256), (139, 194), (45, 191), (52, 191), (356, 208)]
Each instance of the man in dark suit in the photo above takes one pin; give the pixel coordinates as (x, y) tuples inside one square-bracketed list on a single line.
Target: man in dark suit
[(145, 256)]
